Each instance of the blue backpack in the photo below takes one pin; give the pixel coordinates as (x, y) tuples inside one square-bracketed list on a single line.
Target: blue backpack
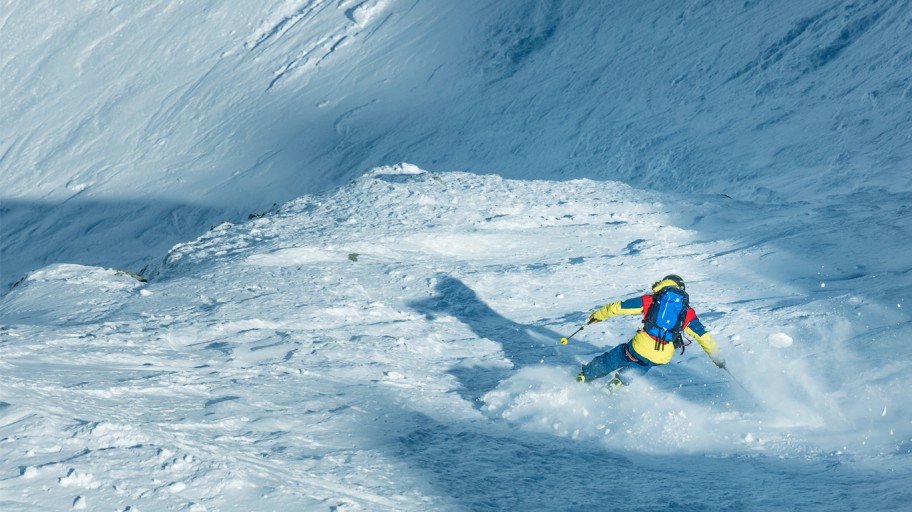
[(665, 319)]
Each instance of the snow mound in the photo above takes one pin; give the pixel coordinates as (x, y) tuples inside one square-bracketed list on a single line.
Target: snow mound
[(780, 340), (63, 293)]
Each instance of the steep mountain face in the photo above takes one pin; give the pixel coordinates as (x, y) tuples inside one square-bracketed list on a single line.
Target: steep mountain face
[(128, 129)]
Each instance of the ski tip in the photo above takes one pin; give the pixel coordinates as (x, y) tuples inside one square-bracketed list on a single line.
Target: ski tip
[(564, 340)]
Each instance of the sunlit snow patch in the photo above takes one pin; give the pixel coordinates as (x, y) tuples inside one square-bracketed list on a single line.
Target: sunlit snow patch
[(67, 293), (403, 168), (83, 275), (780, 340), (297, 256)]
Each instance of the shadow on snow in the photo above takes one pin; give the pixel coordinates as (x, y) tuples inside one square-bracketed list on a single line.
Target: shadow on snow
[(524, 345)]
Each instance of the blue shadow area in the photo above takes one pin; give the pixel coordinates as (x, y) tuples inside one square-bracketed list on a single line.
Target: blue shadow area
[(523, 344), (125, 235)]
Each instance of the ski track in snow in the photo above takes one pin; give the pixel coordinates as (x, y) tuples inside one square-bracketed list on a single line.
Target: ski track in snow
[(394, 346)]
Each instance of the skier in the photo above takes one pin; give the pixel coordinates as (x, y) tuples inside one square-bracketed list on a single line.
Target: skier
[(666, 313)]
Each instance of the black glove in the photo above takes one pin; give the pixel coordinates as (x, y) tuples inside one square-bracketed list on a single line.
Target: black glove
[(719, 360)]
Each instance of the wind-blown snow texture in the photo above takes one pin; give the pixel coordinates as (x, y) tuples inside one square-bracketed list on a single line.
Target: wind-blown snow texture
[(389, 340)]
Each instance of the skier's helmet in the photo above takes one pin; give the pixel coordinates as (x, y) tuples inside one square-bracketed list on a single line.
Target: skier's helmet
[(667, 281)]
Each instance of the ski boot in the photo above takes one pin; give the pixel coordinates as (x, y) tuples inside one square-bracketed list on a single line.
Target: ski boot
[(615, 383)]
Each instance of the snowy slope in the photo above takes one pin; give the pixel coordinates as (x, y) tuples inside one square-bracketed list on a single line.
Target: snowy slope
[(127, 128), (394, 345), (387, 341)]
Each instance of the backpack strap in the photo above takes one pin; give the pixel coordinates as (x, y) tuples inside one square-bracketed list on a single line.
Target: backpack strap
[(682, 342)]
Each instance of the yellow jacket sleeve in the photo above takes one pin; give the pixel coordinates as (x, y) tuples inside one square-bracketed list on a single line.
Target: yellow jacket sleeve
[(627, 307), (707, 342)]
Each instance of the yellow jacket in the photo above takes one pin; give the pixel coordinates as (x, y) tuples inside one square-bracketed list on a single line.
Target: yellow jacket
[(645, 345)]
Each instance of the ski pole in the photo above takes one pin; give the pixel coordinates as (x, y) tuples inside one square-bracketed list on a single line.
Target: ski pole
[(736, 381), (748, 393), (565, 340)]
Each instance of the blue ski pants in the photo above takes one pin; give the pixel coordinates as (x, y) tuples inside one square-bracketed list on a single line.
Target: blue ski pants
[(617, 359)]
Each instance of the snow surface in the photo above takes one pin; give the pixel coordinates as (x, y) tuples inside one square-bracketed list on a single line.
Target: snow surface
[(395, 345), (385, 336)]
